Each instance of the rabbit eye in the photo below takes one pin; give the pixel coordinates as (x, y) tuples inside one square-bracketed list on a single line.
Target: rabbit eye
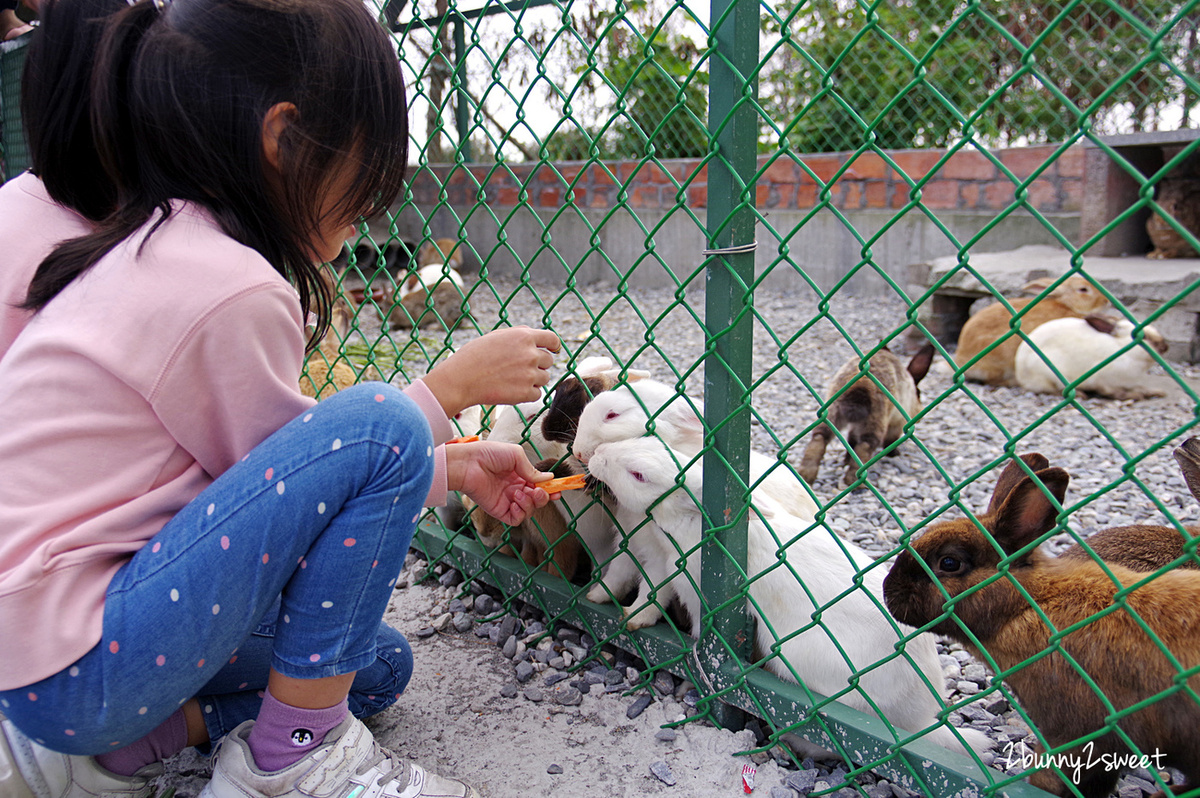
[(638, 475), (949, 565), (611, 415)]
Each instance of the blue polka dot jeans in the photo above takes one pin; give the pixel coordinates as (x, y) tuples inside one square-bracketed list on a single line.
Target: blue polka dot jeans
[(286, 561)]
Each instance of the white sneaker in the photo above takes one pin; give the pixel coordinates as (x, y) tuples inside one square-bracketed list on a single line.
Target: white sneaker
[(29, 770), (349, 764)]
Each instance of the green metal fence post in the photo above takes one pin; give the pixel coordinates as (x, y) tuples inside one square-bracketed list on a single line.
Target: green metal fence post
[(729, 335), (462, 106)]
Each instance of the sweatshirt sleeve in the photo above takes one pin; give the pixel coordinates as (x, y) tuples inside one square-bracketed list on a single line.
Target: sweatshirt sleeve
[(234, 377)]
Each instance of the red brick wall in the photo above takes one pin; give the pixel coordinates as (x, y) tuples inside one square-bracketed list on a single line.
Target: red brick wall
[(967, 180)]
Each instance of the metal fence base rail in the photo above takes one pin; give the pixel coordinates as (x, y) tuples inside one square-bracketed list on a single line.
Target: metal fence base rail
[(923, 767)]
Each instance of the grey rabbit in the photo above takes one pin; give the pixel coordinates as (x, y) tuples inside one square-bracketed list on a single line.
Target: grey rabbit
[(864, 414)]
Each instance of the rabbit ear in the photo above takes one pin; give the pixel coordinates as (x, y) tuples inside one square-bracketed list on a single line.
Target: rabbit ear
[(1188, 457), (1012, 475), (679, 413), (1037, 286), (918, 367), (1028, 511), (592, 366), (1100, 324)]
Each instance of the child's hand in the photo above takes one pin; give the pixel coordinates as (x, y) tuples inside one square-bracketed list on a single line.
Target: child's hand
[(504, 367), (498, 477)]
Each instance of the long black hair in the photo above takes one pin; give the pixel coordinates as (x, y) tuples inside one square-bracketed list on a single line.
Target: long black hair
[(179, 97), (56, 104)]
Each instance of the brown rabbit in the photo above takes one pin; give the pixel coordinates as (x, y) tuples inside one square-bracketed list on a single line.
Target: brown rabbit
[(1145, 547), (326, 371), (1179, 197), (1111, 647), (542, 540), (867, 417), (1075, 296)]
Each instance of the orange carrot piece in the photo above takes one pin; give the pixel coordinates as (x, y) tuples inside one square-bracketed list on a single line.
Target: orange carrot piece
[(573, 482), (464, 439)]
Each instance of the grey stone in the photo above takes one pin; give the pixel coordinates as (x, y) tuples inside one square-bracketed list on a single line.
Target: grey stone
[(998, 706), (483, 630), (426, 631), (494, 635), (638, 706), (666, 735), (535, 628), (510, 647), (569, 634), (558, 663), (967, 688), (613, 676), (509, 626), (1142, 784), (509, 690), (443, 622), (568, 697), (484, 604), (534, 694), (661, 771), (664, 683), (450, 578), (524, 672), (457, 606), (554, 770), (555, 678), (802, 781), (782, 792), (879, 790), (462, 622), (692, 697)]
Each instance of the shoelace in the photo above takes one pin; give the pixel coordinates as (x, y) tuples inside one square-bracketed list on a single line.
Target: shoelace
[(381, 754)]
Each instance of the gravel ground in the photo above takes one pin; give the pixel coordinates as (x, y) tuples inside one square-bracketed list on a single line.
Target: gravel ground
[(478, 712)]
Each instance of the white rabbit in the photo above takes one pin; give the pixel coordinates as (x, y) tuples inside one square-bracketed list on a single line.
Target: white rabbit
[(619, 414), (523, 423), (592, 522), (519, 424), (1076, 346), (644, 477)]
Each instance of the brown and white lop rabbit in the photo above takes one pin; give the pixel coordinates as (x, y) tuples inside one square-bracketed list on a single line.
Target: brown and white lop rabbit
[(1075, 296), (544, 539), (1111, 647), (864, 413)]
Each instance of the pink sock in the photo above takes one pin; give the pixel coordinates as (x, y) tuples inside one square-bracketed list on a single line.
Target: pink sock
[(283, 735), (165, 741)]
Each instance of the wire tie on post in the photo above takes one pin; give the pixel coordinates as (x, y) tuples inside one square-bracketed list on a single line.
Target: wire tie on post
[(741, 249)]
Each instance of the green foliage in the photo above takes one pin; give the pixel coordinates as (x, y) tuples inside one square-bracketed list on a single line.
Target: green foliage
[(635, 65), (928, 73)]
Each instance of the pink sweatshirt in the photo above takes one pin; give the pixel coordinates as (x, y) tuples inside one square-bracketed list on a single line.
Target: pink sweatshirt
[(120, 401), (31, 224)]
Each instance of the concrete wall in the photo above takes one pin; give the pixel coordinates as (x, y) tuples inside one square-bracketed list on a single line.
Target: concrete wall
[(602, 222)]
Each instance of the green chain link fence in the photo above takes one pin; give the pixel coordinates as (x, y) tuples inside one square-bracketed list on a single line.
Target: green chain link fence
[(562, 143), (803, 156)]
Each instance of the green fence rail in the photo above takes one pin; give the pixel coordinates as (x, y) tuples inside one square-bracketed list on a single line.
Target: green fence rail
[(636, 174)]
